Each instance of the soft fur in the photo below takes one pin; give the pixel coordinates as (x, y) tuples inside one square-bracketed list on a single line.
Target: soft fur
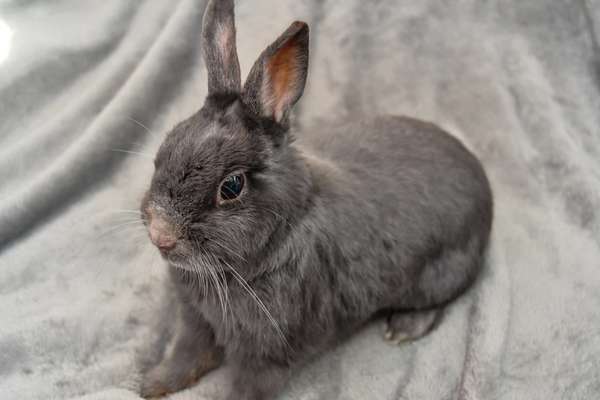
[(391, 214)]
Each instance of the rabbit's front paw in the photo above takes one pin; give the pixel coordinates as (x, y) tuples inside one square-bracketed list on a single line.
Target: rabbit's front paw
[(159, 381), (154, 384), (404, 326)]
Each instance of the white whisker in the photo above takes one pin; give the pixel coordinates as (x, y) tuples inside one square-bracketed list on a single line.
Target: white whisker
[(127, 218), (138, 153), (135, 121), (122, 227), (216, 285), (258, 301), (123, 211), (221, 245), (220, 273)]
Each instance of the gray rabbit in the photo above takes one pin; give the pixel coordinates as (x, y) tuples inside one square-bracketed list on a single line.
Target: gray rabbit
[(280, 248)]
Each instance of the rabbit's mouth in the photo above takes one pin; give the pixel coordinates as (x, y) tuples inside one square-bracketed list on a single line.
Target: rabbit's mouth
[(175, 256)]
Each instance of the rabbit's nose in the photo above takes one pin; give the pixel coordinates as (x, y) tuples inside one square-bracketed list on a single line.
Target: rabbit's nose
[(161, 235)]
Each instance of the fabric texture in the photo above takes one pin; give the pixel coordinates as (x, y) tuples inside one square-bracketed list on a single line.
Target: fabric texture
[(89, 88)]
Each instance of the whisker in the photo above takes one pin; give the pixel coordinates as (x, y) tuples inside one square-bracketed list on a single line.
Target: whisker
[(219, 278), (123, 211), (135, 121), (124, 226), (227, 299), (138, 153), (216, 286), (197, 273), (205, 282), (126, 218), (128, 222), (201, 279), (220, 273), (221, 245), (258, 301)]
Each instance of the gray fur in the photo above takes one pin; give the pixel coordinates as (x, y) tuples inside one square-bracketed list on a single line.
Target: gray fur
[(349, 220), (220, 56)]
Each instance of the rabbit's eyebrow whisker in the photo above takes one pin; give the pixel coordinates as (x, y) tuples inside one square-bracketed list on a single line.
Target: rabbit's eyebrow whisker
[(135, 121)]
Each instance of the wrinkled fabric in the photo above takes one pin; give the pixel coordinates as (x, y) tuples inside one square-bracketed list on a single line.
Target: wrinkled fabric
[(89, 89)]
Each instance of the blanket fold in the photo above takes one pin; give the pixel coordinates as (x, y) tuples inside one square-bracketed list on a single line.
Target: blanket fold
[(88, 90)]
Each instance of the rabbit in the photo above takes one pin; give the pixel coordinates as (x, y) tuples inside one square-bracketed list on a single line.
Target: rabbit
[(281, 244)]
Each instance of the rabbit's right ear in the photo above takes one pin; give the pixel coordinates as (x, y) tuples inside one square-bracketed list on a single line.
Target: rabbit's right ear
[(277, 79), (218, 45)]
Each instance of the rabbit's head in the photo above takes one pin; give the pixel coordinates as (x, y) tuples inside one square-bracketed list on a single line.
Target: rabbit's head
[(226, 182)]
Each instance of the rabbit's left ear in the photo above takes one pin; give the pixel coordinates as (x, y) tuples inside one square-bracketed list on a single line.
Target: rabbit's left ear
[(218, 45), (278, 77)]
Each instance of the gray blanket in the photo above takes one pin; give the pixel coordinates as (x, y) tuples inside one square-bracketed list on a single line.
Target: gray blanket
[(88, 89)]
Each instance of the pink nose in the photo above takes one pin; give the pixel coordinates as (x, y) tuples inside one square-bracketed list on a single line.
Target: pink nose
[(161, 234)]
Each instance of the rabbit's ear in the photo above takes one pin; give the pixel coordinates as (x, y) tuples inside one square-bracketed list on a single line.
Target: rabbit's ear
[(218, 45), (277, 79)]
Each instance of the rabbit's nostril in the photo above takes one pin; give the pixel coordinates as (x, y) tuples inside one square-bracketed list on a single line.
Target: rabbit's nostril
[(161, 235), (165, 243)]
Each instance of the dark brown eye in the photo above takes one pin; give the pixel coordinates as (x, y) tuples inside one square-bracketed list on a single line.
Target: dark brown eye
[(231, 187)]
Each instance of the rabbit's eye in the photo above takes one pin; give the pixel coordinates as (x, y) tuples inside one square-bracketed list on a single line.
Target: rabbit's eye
[(231, 187)]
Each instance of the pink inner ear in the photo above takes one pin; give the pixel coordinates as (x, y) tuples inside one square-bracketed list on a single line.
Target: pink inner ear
[(282, 77), (224, 38)]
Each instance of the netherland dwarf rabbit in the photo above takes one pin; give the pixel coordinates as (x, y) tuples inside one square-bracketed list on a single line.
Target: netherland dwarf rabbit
[(280, 245)]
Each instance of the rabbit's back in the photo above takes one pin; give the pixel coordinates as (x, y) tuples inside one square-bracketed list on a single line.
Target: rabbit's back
[(400, 194), (390, 159), (394, 147)]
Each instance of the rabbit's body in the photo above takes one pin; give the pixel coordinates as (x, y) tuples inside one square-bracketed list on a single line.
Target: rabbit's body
[(398, 221), (402, 198), (279, 249)]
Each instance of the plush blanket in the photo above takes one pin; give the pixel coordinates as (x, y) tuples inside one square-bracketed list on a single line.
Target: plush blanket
[(89, 88)]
